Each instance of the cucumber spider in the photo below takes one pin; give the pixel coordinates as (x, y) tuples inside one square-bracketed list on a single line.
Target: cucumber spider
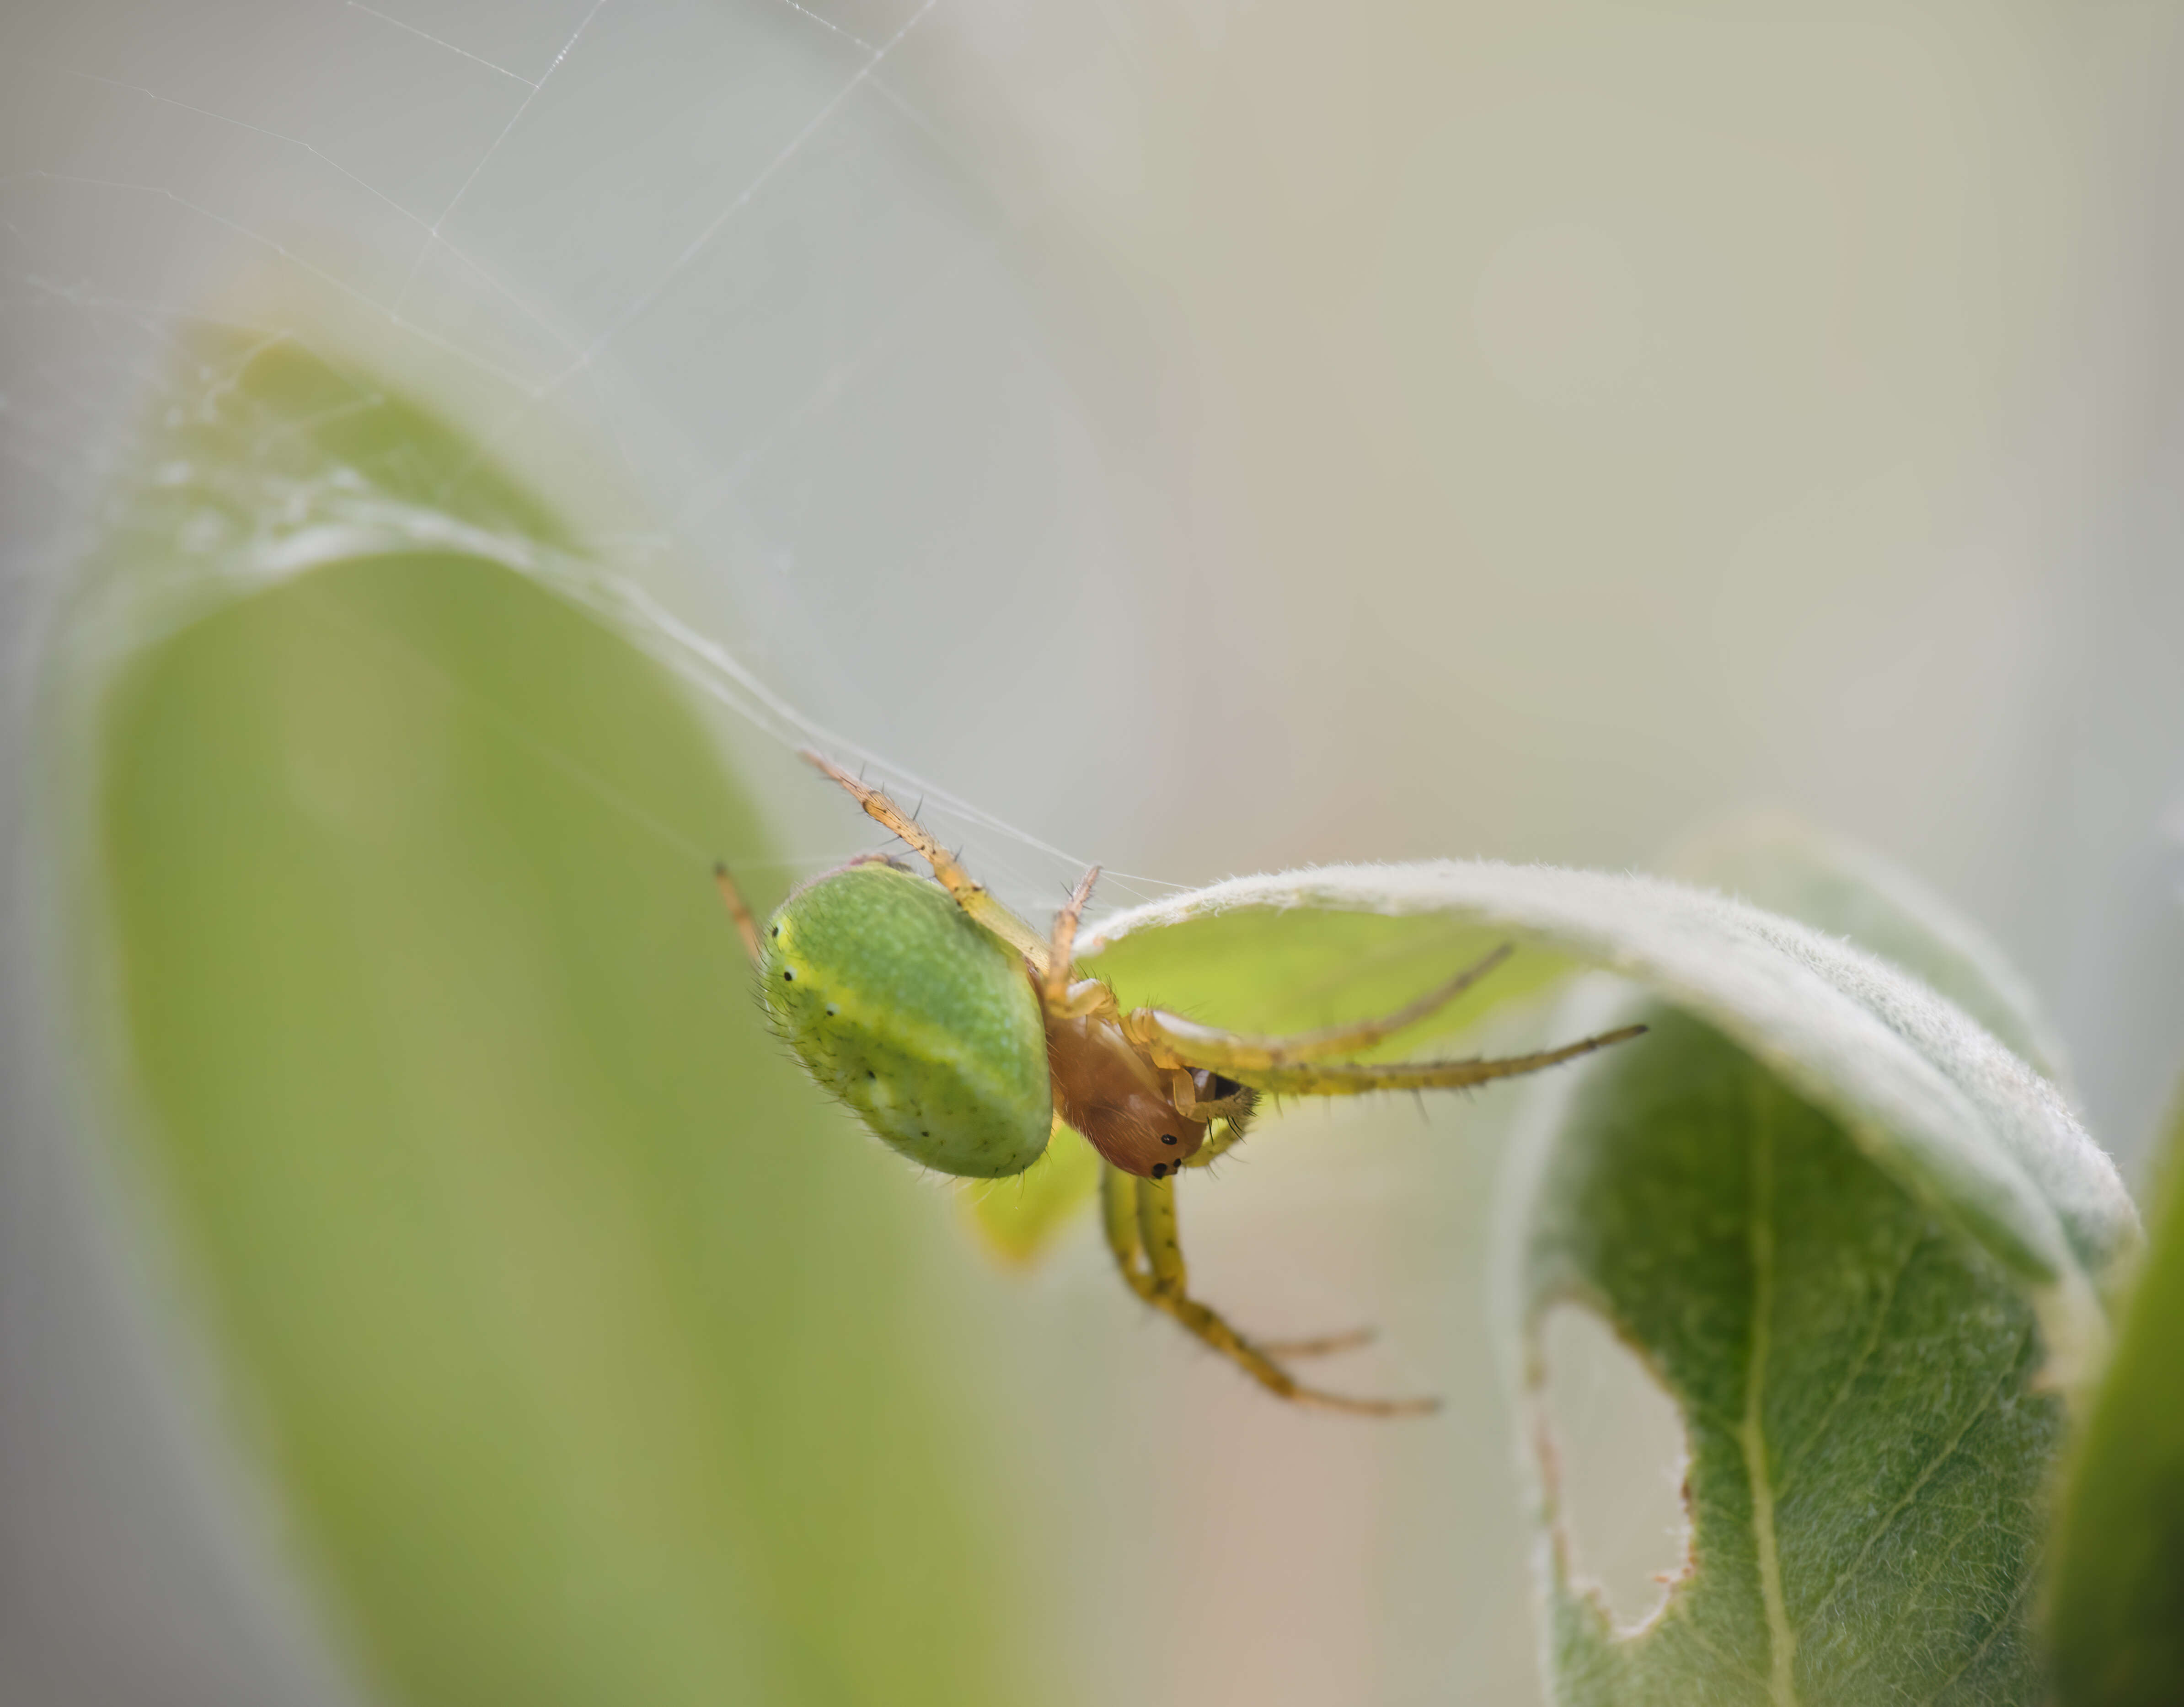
[(961, 1036)]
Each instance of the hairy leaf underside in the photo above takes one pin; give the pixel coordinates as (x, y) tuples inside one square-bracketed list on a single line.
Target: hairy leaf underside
[(1857, 1381)]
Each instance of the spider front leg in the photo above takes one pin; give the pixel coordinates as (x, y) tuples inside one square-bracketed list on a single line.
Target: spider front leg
[(1296, 1066), (1353, 1078), (1189, 1043), (1140, 1221)]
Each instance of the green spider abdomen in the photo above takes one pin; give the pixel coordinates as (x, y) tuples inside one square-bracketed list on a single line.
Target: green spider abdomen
[(915, 1017)]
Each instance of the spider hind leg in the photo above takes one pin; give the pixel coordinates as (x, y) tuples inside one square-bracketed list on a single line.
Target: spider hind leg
[(968, 893)]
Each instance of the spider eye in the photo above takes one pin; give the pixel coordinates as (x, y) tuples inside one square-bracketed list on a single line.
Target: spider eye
[(1167, 1138), (1160, 1169)]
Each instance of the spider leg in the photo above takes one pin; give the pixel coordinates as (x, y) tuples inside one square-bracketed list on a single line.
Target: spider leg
[(1321, 1346), (1216, 1144), (1350, 1079), (1140, 1217), (1062, 997), (969, 893), (1227, 1052), (1054, 987), (1233, 1104), (1233, 1111), (739, 910)]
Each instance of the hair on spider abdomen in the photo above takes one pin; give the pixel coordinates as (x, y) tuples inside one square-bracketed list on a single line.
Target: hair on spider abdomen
[(898, 998)]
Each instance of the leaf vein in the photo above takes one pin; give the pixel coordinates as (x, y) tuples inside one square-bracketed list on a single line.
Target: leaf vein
[(2007, 1621), (1925, 1476), (1781, 1638), (1793, 1461), (1977, 1526)]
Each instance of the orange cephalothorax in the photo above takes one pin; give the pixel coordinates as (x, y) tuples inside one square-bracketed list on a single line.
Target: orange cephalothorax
[(1106, 1089)]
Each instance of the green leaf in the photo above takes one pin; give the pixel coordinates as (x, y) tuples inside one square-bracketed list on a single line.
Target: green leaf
[(2117, 1601), (1777, 862), (591, 1355), (1859, 1242), (1017, 1220)]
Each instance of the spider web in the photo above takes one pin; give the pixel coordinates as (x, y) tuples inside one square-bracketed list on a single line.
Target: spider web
[(741, 286), (738, 254)]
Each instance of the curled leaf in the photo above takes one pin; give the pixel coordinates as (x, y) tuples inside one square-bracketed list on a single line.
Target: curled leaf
[(1967, 1127), (1862, 1244)]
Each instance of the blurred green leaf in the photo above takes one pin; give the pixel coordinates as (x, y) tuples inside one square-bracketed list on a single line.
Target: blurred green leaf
[(1017, 1220), (2117, 1601), (1859, 1242), (594, 1355)]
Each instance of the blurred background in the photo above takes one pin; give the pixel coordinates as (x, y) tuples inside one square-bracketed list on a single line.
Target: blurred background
[(1202, 436)]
